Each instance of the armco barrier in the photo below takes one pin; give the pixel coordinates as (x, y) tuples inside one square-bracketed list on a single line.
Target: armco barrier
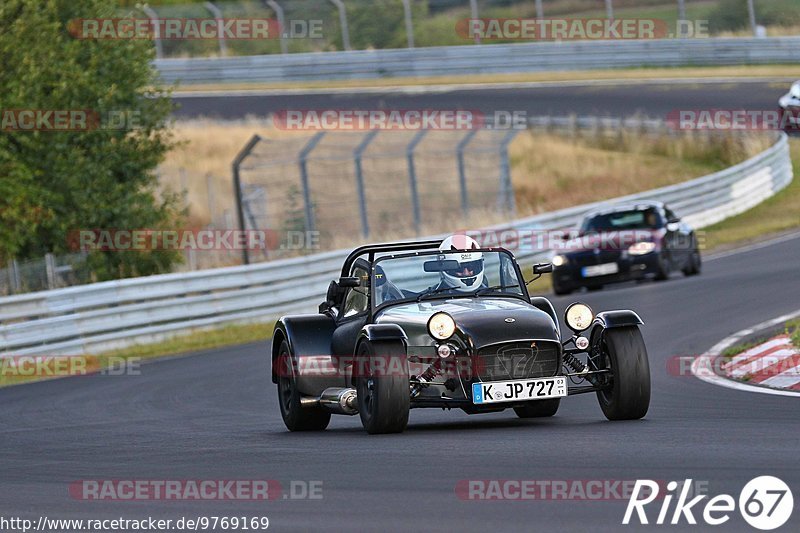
[(481, 59), (103, 316)]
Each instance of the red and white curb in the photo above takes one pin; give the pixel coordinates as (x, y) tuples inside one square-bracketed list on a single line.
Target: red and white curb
[(772, 367)]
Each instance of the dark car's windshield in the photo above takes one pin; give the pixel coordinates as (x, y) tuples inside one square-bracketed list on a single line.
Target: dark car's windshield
[(408, 277), (623, 220)]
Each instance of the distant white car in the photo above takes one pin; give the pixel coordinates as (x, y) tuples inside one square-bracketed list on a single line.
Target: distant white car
[(790, 107)]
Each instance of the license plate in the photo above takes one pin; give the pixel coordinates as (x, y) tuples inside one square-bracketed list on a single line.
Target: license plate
[(600, 270), (519, 390)]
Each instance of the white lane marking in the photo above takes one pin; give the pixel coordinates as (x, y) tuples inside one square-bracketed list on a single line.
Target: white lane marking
[(445, 87), (703, 366)]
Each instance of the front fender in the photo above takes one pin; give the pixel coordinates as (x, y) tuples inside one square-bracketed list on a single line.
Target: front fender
[(307, 336), (382, 332), (617, 319)]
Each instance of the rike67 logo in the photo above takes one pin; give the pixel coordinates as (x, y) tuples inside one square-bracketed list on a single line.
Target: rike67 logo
[(765, 503)]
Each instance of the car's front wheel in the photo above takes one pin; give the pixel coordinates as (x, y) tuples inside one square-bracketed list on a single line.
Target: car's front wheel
[(383, 392), (296, 417), (622, 351), (538, 409), (694, 264)]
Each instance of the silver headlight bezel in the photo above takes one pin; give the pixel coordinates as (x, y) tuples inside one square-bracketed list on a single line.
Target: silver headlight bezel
[(444, 318), (578, 316)]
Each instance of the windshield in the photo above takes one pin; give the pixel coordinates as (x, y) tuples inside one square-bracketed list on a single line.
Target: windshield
[(623, 220), (436, 274)]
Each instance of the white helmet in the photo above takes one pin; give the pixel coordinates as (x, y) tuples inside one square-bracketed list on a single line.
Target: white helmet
[(469, 275)]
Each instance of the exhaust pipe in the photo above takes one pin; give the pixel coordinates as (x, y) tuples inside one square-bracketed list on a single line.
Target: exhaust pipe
[(339, 400)]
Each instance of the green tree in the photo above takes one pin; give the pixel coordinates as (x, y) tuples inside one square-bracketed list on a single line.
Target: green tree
[(55, 182)]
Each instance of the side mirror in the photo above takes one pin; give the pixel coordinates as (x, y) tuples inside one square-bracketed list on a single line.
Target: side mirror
[(440, 265), (349, 281), (542, 268)]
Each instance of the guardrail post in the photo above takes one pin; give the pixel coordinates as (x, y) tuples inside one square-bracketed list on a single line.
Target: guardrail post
[(275, 6), (409, 22), (362, 196), (751, 14), (223, 49), (156, 29), (13, 277), (462, 173), (412, 179), (610, 9), (309, 210), (506, 199), (50, 270), (473, 8), (237, 188), (539, 9), (343, 23)]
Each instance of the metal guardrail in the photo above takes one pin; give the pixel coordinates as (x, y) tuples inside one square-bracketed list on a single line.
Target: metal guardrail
[(481, 59), (102, 316)]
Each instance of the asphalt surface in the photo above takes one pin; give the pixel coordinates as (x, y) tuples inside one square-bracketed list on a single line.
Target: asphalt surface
[(215, 416), (653, 99)]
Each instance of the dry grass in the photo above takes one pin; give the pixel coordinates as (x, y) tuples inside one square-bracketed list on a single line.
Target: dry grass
[(549, 171)]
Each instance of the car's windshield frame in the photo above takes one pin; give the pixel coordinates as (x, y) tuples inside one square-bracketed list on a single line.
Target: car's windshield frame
[(584, 227), (375, 307)]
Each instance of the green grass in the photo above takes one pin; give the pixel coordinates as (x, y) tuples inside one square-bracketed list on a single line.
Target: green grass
[(184, 343), (793, 330), (777, 214)]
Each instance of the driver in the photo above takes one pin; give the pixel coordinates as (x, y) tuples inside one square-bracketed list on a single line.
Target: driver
[(469, 274)]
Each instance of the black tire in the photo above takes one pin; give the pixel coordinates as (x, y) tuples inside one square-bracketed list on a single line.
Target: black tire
[(538, 409), (295, 417), (695, 264), (624, 352), (384, 398), (662, 270)]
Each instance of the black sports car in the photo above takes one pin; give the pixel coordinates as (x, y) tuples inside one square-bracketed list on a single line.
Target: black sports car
[(449, 325), (625, 242), (789, 105)]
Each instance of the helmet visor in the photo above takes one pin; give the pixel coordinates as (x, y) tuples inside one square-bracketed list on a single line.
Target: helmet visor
[(467, 269)]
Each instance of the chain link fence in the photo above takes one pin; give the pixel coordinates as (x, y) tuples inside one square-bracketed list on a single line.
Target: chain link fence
[(327, 25), (344, 187)]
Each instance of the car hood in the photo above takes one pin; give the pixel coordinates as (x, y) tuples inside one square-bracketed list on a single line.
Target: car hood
[(481, 321)]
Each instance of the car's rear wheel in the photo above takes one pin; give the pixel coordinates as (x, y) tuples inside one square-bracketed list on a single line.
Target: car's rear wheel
[(538, 409), (694, 264), (295, 417), (384, 396), (623, 352)]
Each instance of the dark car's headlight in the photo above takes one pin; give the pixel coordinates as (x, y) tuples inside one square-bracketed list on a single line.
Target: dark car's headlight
[(441, 326), (559, 260), (641, 248)]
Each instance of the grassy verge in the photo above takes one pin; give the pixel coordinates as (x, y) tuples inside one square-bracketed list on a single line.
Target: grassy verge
[(777, 214), (13, 374), (778, 72)]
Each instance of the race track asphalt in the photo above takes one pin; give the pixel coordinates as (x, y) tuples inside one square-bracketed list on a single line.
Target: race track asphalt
[(214, 415), (654, 99)]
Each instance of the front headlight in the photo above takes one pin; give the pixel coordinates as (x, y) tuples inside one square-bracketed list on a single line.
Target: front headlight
[(578, 317), (558, 260), (641, 248), (441, 326)]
